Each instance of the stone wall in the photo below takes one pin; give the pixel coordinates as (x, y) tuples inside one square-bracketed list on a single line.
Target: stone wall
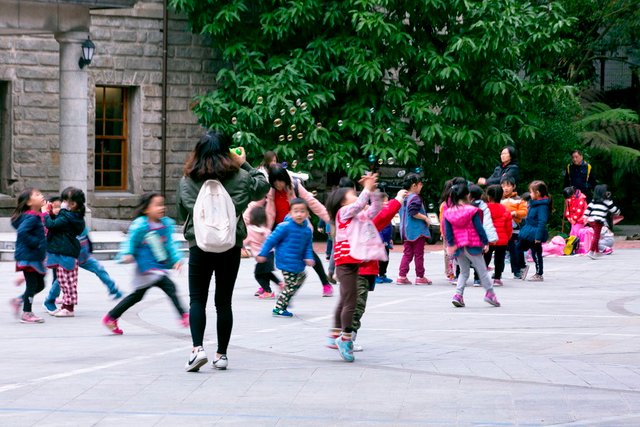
[(128, 53)]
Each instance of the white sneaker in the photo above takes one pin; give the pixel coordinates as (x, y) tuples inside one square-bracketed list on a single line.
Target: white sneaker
[(220, 363), (357, 347), (197, 359)]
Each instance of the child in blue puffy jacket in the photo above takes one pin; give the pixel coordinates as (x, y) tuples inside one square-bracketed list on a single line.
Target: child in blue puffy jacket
[(292, 240)]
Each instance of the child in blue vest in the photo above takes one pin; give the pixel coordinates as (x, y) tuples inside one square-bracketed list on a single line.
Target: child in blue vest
[(150, 244), (414, 230)]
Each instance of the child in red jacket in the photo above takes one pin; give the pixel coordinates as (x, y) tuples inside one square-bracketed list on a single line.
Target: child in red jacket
[(503, 224), (575, 205)]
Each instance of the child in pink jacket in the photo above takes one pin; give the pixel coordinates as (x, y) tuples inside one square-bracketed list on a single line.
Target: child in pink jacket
[(257, 233)]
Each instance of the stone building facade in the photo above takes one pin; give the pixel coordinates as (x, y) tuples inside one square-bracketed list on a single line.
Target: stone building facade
[(124, 124)]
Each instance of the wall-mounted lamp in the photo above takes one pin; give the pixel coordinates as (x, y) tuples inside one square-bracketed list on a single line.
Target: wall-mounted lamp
[(88, 48)]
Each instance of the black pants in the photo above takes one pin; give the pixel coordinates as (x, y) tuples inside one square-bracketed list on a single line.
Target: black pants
[(34, 285), (202, 265), (383, 265), (516, 256), (536, 253), (167, 286), (498, 261), (264, 273), (319, 269)]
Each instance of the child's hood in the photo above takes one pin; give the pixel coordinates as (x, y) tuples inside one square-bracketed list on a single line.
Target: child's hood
[(24, 217), (460, 216), (539, 202)]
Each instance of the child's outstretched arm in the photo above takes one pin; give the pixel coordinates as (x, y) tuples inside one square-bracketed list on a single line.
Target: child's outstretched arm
[(135, 235), (386, 214), (376, 204), (279, 234), (350, 211)]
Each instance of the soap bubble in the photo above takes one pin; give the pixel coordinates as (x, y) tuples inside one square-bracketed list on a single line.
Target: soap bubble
[(401, 173), (234, 120), (372, 110), (314, 193), (391, 161), (348, 165), (417, 170), (260, 100), (289, 137), (293, 128), (283, 112), (281, 138), (310, 155), (393, 112), (237, 135), (292, 110), (303, 106), (380, 161), (277, 123), (294, 164), (340, 123), (372, 158), (300, 135), (284, 165), (319, 124), (389, 130), (298, 102)]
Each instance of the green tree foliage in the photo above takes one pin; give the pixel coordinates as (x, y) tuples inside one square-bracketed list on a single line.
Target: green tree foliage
[(604, 29), (440, 84)]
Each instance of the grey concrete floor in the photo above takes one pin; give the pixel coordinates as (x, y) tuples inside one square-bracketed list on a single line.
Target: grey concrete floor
[(565, 352)]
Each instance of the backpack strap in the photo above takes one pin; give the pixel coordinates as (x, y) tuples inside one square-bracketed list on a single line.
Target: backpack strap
[(588, 170)]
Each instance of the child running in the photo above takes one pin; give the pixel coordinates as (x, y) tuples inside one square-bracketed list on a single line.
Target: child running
[(414, 230), (63, 247), (150, 244), (353, 227), (467, 241), (292, 240), (596, 216), (31, 249), (257, 233), (534, 231), (502, 222)]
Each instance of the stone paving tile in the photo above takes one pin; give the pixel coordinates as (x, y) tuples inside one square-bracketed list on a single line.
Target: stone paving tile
[(534, 361)]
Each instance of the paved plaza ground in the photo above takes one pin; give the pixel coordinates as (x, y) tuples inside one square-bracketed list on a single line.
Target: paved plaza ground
[(565, 352)]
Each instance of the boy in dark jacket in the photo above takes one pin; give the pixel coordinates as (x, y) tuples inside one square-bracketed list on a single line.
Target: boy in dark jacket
[(292, 241)]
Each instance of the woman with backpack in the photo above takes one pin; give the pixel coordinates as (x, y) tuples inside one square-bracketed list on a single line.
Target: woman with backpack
[(213, 159)]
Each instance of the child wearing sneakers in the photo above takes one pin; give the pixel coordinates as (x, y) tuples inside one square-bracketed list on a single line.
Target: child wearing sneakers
[(63, 247), (517, 207), (502, 222), (596, 216), (386, 234), (31, 250), (150, 244), (414, 230), (467, 241), (356, 240), (292, 240), (257, 233), (534, 231)]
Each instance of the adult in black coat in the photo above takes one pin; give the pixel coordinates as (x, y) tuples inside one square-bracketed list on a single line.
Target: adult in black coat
[(508, 167), (578, 174)]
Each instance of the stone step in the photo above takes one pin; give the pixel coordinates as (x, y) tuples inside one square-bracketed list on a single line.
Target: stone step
[(106, 244)]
